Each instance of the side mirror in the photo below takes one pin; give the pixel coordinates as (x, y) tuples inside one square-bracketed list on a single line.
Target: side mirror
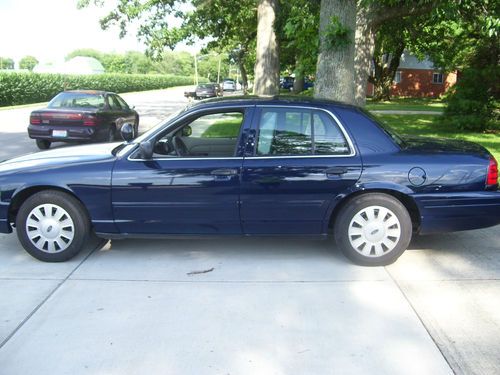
[(127, 132), (146, 149)]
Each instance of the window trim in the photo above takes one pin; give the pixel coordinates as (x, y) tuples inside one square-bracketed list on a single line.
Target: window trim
[(350, 144), (396, 81), (434, 74), (181, 121)]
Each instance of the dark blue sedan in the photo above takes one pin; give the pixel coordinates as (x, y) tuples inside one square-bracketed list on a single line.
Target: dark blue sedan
[(253, 166)]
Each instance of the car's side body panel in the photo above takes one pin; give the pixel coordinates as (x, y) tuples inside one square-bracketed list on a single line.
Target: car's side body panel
[(181, 195), (275, 195), (86, 175)]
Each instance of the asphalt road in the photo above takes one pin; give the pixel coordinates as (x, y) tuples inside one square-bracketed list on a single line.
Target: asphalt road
[(259, 306)]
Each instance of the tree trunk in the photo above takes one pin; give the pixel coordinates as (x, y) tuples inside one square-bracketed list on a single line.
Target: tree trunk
[(335, 68), (364, 47), (384, 73), (298, 83), (267, 66), (244, 76)]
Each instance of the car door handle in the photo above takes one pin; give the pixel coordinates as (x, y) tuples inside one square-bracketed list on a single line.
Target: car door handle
[(224, 172), (336, 171)]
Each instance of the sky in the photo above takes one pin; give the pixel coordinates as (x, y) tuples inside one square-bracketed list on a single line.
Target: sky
[(50, 29)]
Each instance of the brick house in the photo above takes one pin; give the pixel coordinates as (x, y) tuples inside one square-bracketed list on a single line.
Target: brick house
[(416, 78)]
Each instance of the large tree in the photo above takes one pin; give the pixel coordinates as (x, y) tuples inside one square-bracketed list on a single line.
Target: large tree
[(347, 31), (267, 64), (6, 63), (335, 70), (227, 27), (28, 62)]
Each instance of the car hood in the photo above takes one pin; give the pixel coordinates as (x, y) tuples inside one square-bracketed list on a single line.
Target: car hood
[(443, 145), (61, 156)]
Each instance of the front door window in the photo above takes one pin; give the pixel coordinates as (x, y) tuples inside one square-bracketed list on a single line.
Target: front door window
[(210, 135)]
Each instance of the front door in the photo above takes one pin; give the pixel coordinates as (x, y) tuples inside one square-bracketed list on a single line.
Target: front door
[(192, 183), (301, 161)]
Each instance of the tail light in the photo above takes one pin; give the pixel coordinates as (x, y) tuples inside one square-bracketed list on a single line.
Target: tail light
[(492, 177), (35, 119), (89, 120)]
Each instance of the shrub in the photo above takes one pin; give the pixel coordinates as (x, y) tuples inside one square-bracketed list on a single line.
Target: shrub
[(25, 88), (471, 102)]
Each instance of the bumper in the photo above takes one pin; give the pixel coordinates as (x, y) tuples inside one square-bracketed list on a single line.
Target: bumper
[(205, 96), (449, 212), (4, 222), (75, 133)]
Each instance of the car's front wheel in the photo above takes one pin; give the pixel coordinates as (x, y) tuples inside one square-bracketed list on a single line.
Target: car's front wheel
[(52, 226), (43, 144), (373, 229)]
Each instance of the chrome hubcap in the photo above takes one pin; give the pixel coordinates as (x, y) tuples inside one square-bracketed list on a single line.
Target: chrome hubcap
[(374, 231), (50, 228)]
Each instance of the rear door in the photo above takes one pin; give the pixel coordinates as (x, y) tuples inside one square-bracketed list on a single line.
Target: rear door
[(301, 161)]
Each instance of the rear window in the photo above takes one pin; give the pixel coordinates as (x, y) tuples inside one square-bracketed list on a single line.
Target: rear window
[(77, 100)]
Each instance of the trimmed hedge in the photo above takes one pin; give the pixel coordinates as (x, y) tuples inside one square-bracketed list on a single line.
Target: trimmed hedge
[(26, 88)]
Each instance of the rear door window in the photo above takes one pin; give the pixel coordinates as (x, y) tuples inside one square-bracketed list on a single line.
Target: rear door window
[(290, 131)]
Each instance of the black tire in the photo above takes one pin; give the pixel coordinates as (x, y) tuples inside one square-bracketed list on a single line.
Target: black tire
[(43, 144), (74, 210), (373, 235)]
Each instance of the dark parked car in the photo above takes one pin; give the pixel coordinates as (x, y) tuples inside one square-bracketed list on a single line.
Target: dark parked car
[(208, 90), (286, 83), (81, 116), (254, 166)]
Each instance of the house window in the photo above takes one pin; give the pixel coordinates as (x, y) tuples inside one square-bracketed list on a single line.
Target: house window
[(437, 78), (397, 77)]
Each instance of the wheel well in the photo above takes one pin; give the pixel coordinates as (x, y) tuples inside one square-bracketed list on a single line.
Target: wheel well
[(21, 197), (407, 201)]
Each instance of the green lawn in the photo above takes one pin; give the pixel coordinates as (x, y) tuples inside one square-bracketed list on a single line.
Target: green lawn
[(407, 104), (423, 125)]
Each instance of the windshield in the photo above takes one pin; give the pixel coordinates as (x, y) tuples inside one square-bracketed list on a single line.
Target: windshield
[(161, 124), (387, 129), (206, 86), (77, 100)]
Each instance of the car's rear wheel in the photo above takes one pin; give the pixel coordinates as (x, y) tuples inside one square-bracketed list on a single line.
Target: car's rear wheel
[(43, 144), (52, 226), (373, 229)]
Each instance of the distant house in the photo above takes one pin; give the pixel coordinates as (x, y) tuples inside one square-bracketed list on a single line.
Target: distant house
[(76, 65), (415, 78)]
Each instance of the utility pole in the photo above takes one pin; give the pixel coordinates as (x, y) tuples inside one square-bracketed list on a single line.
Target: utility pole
[(218, 70), (195, 70)]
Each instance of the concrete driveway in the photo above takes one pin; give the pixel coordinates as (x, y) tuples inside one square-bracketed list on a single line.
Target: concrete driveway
[(268, 306), (246, 306)]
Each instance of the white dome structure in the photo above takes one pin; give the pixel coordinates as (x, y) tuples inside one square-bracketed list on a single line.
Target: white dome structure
[(82, 65)]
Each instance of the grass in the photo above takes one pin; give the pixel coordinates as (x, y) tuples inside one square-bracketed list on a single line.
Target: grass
[(229, 128), (406, 104), (424, 125)]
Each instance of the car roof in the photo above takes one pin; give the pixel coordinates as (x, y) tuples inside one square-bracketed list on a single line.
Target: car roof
[(91, 92), (269, 100)]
